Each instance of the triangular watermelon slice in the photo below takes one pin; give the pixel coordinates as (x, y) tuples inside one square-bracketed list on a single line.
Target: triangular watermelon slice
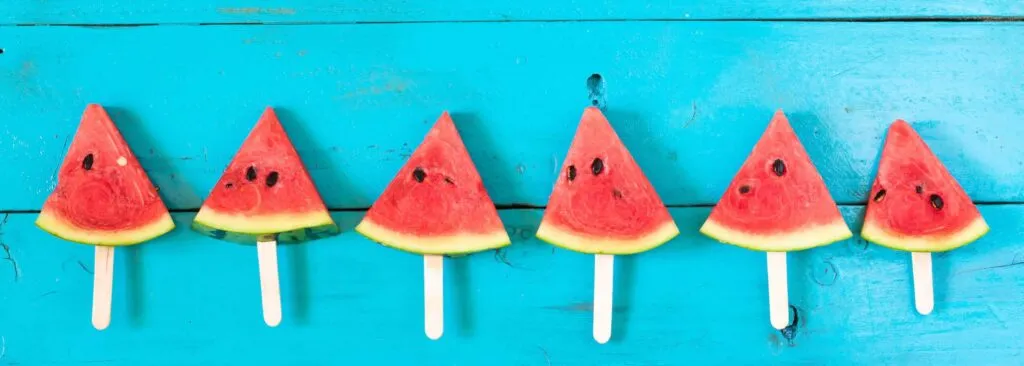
[(265, 193), (602, 203), (103, 197), (437, 203), (777, 202), (915, 204)]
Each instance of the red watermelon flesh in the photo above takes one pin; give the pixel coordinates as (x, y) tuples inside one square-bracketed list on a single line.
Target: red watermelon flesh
[(265, 192), (915, 204), (602, 203), (778, 200), (437, 203), (103, 196)]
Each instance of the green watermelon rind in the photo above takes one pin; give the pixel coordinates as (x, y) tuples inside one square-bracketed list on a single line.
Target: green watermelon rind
[(877, 235), (423, 246), (52, 224), (834, 232), (299, 235), (665, 233)]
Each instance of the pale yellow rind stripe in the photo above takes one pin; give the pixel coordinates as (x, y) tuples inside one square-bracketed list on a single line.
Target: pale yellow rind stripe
[(448, 244), (930, 243), (54, 225), (595, 245), (806, 238), (262, 224)]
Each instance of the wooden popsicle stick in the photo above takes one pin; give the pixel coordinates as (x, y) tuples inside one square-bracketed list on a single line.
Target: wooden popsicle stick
[(102, 286), (778, 290), (433, 296), (924, 295), (270, 289), (604, 270)]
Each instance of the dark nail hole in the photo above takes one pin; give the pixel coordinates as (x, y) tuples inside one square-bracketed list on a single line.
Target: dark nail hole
[(744, 189), (594, 82), (272, 179), (936, 201), (419, 175), (229, 185), (779, 167), (597, 166), (879, 196), (250, 174), (449, 180), (595, 86), (87, 162), (571, 173), (919, 189), (1, 51), (789, 332), (617, 193)]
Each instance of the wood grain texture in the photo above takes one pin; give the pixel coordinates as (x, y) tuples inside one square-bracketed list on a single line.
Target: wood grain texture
[(688, 98), (268, 11), (185, 299)]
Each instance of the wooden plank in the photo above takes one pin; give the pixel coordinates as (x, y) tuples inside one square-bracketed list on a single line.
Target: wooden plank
[(184, 299), (197, 11), (689, 99)]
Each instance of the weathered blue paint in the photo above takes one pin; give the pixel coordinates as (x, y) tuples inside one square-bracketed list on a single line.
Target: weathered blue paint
[(185, 299), (689, 99), (220, 11)]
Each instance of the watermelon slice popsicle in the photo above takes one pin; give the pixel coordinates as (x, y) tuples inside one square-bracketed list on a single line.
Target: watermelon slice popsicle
[(777, 203), (103, 198), (436, 206), (917, 206), (265, 197), (602, 204)]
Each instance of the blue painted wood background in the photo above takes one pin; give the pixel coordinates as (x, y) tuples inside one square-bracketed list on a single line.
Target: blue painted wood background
[(689, 85)]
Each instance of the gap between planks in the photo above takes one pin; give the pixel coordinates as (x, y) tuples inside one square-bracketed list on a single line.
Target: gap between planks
[(898, 19)]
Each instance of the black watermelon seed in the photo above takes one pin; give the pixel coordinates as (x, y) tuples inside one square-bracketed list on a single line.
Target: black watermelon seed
[(419, 175), (744, 189), (250, 174), (597, 166), (779, 167), (87, 162), (919, 189), (936, 201), (449, 180), (272, 179), (879, 196), (617, 193), (571, 173), (229, 185)]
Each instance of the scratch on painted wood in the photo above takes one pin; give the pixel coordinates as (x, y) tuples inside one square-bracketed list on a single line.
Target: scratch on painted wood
[(693, 116), (1018, 259), (584, 307), (859, 65), (255, 10), (7, 249), (84, 267), (547, 358)]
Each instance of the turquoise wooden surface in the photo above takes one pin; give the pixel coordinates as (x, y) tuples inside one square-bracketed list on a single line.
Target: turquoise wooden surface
[(188, 300), (267, 11), (690, 98)]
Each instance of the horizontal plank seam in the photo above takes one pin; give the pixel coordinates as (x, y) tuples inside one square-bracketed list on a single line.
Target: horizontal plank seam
[(908, 19), (527, 207)]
